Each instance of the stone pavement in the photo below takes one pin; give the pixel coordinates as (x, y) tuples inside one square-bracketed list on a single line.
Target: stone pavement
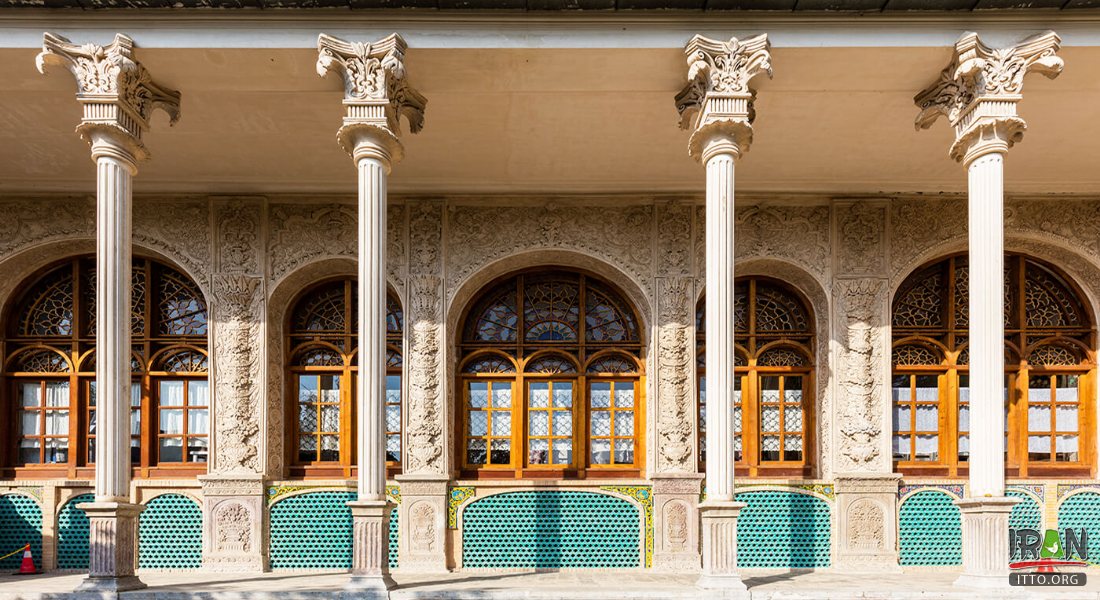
[(579, 585)]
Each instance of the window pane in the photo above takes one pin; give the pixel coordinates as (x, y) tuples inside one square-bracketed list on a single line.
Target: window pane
[(903, 417), (737, 419), (563, 394), (600, 395), (57, 422), (307, 418), (964, 417), (31, 394), (538, 423), (196, 449), (769, 418), (171, 421), (330, 388), (624, 395), (393, 447), (792, 389), (171, 449), (538, 395), (601, 452), (1038, 388), (307, 448), (57, 450), (479, 394), (563, 423), (330, 448), (1065, 448), (502, 395), (500, 452), (901, 388), (307, 389), (901, 447), (624, 451), (197, 421), (171, 392), (964, 448), (792, 447), (769, 447), (624, 423), (1066, 417), (393, 417), (928, 417), (198, 392), (1038, 417), (30, 423), (928, 447), (502, 424), (29, 451), (792, 419), (475, 452), (57, 393), (1067, 388), (601, 423), (330, 418), (964, 388), (393, 389), (1038, 447), (135, 393), (538, 452), (479, 423), (769, 389), (563, 452), (927, 388)]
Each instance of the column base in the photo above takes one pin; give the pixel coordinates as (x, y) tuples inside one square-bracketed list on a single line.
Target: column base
[(985, 541), (719, 525), (370, 571), (113, 544)]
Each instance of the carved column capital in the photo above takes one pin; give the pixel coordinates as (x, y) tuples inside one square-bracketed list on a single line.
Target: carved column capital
[(979, 89), (117, 93), (717, 102), (376, 94)]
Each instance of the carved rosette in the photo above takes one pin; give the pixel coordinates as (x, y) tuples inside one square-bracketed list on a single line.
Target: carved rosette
[(376, 90), (717, 102), (675, 410), (860, 236), (237, 373), (860, 418), (979, 89), (117, 92)]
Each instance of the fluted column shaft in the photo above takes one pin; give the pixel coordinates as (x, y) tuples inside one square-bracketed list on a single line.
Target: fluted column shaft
[(114, 172), (987, 372), (720, 325), (372, 326)]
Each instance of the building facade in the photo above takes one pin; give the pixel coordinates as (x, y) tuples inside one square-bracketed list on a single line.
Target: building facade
[(541, 383)]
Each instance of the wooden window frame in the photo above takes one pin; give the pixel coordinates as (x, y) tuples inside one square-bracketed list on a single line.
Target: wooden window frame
[(952, 342), (78, 349), (580, 353)]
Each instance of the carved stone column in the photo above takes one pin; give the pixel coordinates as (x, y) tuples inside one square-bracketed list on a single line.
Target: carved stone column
[(717, 105), (423, 536), (118, 96), (865, 485), (978, 92), (376, 93), (233, 491)]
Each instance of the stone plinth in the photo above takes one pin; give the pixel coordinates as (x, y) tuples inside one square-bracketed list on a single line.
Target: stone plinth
[(867, 523), (423, 539), (233, 525), (676, 522)]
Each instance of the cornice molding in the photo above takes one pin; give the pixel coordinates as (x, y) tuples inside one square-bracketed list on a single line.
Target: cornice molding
[(978, 91), (717, 103), (117, 92), (376, 92)]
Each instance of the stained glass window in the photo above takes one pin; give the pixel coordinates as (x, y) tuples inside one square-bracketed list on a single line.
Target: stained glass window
[(323, 364), (51, 357), (1046, 322), (525, 378), (773, 339)]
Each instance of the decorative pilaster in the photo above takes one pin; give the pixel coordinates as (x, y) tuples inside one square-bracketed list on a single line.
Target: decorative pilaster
[(376, 93), (118, 96), (717, 105), (978, 92)]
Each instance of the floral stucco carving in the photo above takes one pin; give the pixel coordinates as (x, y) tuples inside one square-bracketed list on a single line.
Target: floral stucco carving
[(237, 367), (859, 304), (797, 234), (180, 228), (673, 240), (675, 374), (238, 235), (860, 238), (619, 235), (866, 525), (233, 528)]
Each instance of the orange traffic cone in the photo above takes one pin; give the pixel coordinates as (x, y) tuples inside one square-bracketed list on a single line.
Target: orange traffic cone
[(27, 568)]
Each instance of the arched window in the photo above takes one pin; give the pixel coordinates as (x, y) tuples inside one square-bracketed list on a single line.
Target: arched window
[(551, 380), (49, 368), (1049, 370), (323, 362), (773, 386)]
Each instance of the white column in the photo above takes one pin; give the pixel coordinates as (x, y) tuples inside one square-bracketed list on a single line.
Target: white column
[(717, 105), (117, 94), (114, 171), (373, 169), (987, 340), (369, 134), (978, 92), (720, 323)]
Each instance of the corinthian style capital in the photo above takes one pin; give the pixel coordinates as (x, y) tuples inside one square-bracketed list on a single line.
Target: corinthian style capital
[(376, 92), (717, 102), (979, 89), (117, 92)]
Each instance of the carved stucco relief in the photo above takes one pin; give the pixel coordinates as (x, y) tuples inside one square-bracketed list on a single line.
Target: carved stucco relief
[(860, 308), (480, 235), (677, 531), (232, 528), (860, 237), (180, 229), (796, 234), (675, 375), (425, 417), (237, 359), (866, 525)]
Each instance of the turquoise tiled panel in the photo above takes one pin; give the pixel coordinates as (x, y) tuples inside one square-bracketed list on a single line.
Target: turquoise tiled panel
[(170, 533), (313, 531), (783, 529), (551, 529), (1027, 514), (1082, 511), (930, 530), (72, 534), (20, 524)]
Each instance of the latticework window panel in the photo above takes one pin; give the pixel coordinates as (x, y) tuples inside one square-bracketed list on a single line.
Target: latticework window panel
[(20, 524), (1082, 511), (930, 530), (783, 529), (170, 533)]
